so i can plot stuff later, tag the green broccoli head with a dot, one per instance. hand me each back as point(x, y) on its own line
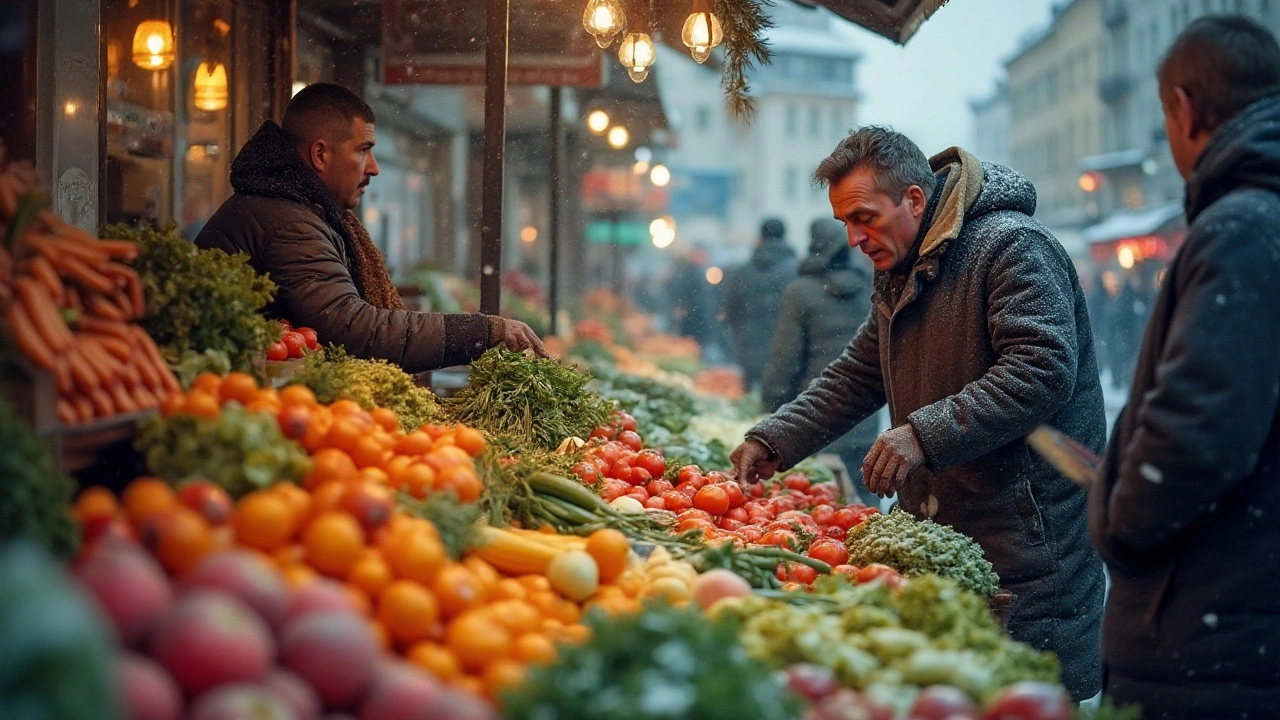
point(921, 547)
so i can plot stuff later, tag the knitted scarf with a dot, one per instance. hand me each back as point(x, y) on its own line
point(269, 166)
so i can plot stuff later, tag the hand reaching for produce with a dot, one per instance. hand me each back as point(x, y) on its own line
point(896, 453)
point(753, 461)
point(516, 336)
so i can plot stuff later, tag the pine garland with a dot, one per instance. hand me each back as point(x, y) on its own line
point(744, 23)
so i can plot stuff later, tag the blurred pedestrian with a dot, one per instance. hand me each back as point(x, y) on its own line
point(751, 298)
point(820, 313)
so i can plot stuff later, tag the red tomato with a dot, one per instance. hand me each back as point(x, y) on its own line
point(835, 532)
point(717, 476)
point(694, 512)
point(610, 452)
point(655, 503)
point(826, 491)
point(677, 501)
point(739, 514)
point(640, 477)
point(824, 515)
point(736, 497)
point(652, 461)
point(626, 422)
point(876, 570)
point(687, 473)
point(208, 499)
point(729, 524)
point(830, 552)
point(277, 351)
point(613, 489)
point(631, 440)
point(694, 523)
point(781, 538)
point(755, 490)
point(1031, 700)
point(617, 466)
point(602, 433)
point(849, 571)
point(294, 343)
point(310, 337)
point(796, 481)
point(288, 326)
point(699, 482)
point(796, 572)
point(758, 515)
point(639, 494)
point(657, 487)
point(713, 499)
point(846, 518)
point(780, 505)
point(750, 533)
point(688, 489)
point(587, 472)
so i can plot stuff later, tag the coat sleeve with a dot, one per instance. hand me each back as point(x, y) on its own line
point(847, 392)
point(787, 356)
point(1030, 295)
point(1200, 429)
point(315, 289)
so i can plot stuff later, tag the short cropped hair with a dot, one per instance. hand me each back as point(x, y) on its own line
point(897, 162)
point(1224, 63)
point(323, 111)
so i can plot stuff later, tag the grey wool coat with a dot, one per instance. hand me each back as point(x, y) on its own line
point(989, 339)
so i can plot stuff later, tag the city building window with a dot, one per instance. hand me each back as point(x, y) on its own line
point(837, 123)
point(789, 183)
point(815, 123)
point(793, 121)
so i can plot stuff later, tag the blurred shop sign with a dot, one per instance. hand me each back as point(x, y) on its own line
point(441, 42)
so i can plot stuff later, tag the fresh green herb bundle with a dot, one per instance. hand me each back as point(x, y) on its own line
point(534, 401)
point(200, 300)
point(333, 375)
point(919, 547)
point(35, 499)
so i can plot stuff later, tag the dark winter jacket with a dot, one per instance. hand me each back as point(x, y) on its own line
point(751, 303)
point(1187, 515)
point(990, 339)
point(287, 222)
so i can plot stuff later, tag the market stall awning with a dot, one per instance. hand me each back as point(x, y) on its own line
point(1134, 223)
point(897, 20)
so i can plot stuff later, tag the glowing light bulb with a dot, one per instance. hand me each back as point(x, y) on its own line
point(604, 19)
point(660, 175)
point(619, 137)
point(153, 45)
point(598, 121)
point(702, 30)
point(637, 54)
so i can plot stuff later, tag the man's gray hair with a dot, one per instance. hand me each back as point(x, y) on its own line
point(897, 162)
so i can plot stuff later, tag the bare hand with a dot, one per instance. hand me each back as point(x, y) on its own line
point(752, 462)
point(896, 453)
point(518, 336)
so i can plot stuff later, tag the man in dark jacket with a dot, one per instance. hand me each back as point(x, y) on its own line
point(752, 296)
point(295, 188)
point(821, 312)
point(979, 333)
point(1185, 512)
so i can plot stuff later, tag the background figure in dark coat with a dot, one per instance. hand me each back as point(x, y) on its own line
point(979, 333)
point(821, 311)
point(692, 314)
point(295, 187)
point(752, 297)
point(1186, 511)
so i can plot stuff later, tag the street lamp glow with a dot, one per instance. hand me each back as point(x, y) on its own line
point(664, 240)
point(528, 234)
point(661, 225)
point(1089, 182)
point(598, 121)
point(619, 137)
point(660, 175)
point(714, 275)
point(153, 45)
point(1126, 257)
point(640, 168)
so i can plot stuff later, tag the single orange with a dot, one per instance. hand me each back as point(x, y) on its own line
point(330, 464)
point(418, 479)
point(297, 395)
point(299, 500)
point(534, 647)
point(178, 536)
point(611, 551)
point(458, 589)
point(477, 639)
point(502, 675)
point(95, 502)
point(343, 434)
point(370, 573)
point(328, 497)
point(294, 420)
point(240, 387)
point(145, 497)
point(469, 487)
point(434, 430)
point(264, 519)
point(486, 573)
point(509, 589)
point(566, 611)
point(517, 616)
point(347, 407)
point(172, 403)
point(334, 542)
point(415, 556)
point(454, 453)
point(385, 419)
point(534, 583)
point(470, 440)
point(367, 452)
point(414, 443)
point(206, 382)
point(435, 659)
point(203, 405)
point(375, 475)
point(263, 407)
point(408, 611)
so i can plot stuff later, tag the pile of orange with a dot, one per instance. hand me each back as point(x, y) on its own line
point(346, 442)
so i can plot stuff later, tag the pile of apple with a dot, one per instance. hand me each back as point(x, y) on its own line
point(231, 641)
point(293, 343)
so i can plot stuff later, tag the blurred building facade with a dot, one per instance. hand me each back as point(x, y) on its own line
point(992, 121)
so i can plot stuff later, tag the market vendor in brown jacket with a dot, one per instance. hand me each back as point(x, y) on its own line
point(296, 185)
point(978, 333)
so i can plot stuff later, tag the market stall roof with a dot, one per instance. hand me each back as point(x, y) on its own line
point(897, 20)
point(1134, 223)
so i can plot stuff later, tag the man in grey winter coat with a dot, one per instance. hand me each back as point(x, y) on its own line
point(752, 295)
point(979, 333)
point(821, 312)
point(1186, 510)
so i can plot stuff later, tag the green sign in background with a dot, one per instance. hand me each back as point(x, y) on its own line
point(619, 233)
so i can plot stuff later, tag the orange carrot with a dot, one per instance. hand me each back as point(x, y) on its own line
point(131, 283)
point(62, 373)
point(99, 306)
point(29, 341)
point(81, 272)
point(42, 270)
point(103, 406)
point(161, 367)
point(83, 406)
point(82, 372)
point(108, 368)
point(120, 249)
point(145, 398)
point(121, 398)
point(66, 412)
point(115, 329)
point(44, 313)
point(119, 349)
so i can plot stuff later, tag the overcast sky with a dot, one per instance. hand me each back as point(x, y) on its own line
point(924, 89)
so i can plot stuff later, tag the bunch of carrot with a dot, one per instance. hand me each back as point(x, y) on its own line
point(69, 303)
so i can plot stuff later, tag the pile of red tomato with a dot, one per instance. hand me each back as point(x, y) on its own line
point(792, 513)
point(293, 343)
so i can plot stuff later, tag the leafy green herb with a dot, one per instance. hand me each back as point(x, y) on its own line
point(192, 363)
point(454, 520)
point(35, 499)
point(200, 300)
point(333, 375)
point(662, 663)
point(535, 401)
point(919, 547)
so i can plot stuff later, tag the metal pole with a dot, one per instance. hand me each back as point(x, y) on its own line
point(495, 129)
point(557, 176)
